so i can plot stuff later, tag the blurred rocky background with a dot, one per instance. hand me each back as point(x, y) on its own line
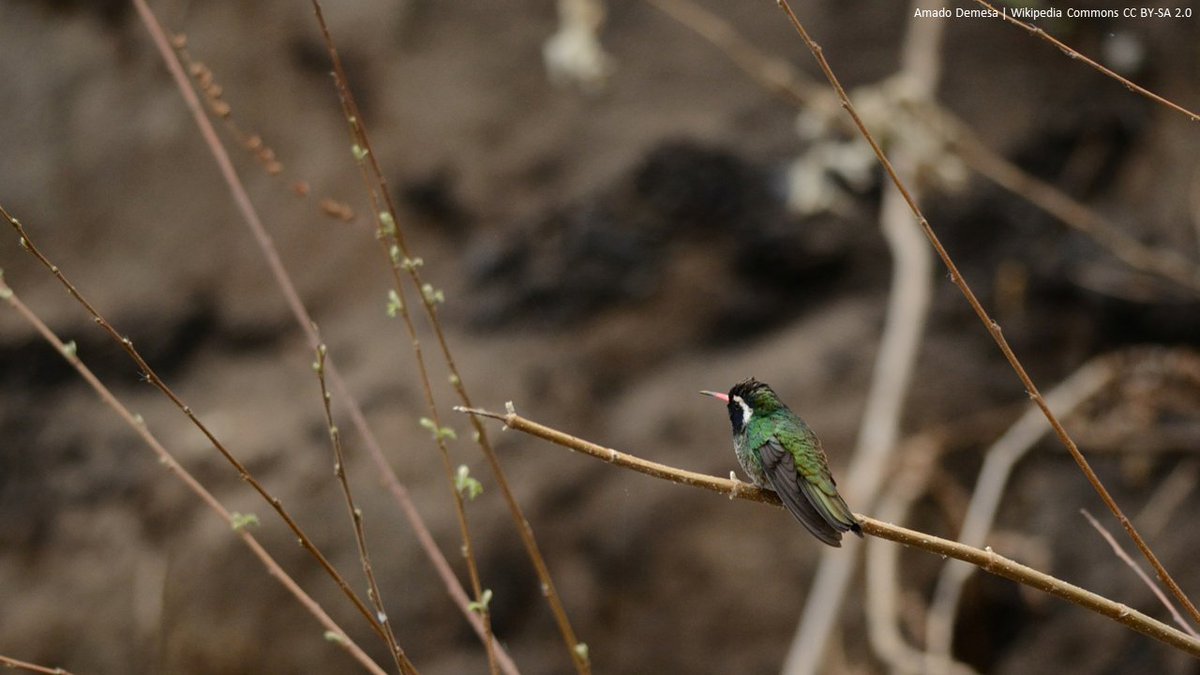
point(605, 252)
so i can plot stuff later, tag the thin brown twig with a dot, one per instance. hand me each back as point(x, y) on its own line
point(1076, 56)
point(784, 80)
point(1141, 574)
point(909, 296)
point(388, 234)
point(334, 632)
point(274, 263)
point(356, 515)
point(1162, 262)
point(151, 377)
point(986, 559)
point(393, 232)
point(400, 306)
point(991, 325)
point(9, 662)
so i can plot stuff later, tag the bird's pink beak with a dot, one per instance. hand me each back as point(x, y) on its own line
point(717, 394)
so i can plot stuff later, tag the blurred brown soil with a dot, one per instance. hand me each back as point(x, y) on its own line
point(603, 258)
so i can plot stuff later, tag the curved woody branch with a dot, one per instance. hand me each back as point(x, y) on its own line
point(985, 559)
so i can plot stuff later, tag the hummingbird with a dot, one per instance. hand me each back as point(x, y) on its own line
point(779, 452)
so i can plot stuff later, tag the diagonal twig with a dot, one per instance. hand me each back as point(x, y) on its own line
point(909, 296)
point(274, 263)
point(151, 377)
point(1076, 56)
point(401, 257)
point(784, 80)
point(333, 631)
point(356, 516)
point(1163, 262)
point(991, 325)
point(1141, 574)
point(391, 243)
point(9, 662)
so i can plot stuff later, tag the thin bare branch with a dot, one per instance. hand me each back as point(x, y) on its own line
point(985, 559)
point(991, 325)
point(9, 662)
point(333, 632)
point(252, 220)
point(909, 296)
point(151, 377)
point(1141, 574)
point(1076, 56)
point(1166, 263)
point(392, 245)
point(401, 255)
point(356, 516)
point(782, 79)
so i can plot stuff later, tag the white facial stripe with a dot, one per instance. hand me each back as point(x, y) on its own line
point(746, 412)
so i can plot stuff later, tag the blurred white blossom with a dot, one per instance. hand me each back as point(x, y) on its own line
point(574, 56)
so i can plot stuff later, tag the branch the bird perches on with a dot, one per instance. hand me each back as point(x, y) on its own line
point(985, 559)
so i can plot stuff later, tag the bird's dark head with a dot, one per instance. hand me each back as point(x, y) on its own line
point(746, 400)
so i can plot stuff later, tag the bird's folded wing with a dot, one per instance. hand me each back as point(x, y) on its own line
point(798, 496)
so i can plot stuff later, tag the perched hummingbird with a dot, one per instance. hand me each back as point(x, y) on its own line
point(779, 452)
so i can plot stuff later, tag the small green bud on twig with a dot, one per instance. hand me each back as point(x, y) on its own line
point(439, 433)
point(480, 606)
point(387, 224)
point(467, 486)
point(241, 521)
point(394, 304)
point(432, 295)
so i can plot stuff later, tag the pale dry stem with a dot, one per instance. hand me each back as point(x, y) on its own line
point(884, 590)
point(1141, 574)
point(998, 463)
